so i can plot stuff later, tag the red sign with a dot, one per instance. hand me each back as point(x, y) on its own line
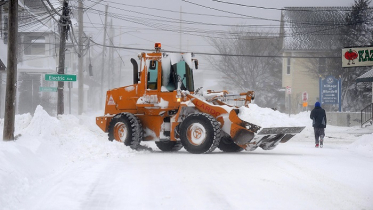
point(288, 90)
point(305, 96)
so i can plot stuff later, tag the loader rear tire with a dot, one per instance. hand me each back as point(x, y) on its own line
point(169, 146)
point(200, 133)
point(126, 127)
point(227, 145)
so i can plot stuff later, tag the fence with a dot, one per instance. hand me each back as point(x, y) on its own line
point(366, 114)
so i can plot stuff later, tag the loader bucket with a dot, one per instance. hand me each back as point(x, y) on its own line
point(250, 136)
point(246, 135)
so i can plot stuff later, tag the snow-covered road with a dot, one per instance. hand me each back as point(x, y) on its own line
point(69, 164)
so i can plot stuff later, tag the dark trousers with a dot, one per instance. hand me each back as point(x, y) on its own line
point(319, 133)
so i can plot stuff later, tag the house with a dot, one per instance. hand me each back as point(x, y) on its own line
point(310, 44)
point(38, 48)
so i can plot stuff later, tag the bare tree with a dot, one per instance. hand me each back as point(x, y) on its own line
point(249, 61)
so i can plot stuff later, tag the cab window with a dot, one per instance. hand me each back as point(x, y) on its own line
point(152, 75)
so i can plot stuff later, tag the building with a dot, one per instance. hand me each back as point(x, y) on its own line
point(38, 48)
point(311, 44)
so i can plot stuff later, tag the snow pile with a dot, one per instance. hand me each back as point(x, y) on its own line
point(21, 122)
point(266, 117)
point(68, 163)
point(47, 144)
point(364, 145)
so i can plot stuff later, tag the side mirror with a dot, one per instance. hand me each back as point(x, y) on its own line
point(196, 63)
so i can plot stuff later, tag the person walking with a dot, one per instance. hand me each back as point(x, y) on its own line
point(318, 117)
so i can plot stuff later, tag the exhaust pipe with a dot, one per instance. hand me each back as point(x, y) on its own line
point(135, 71)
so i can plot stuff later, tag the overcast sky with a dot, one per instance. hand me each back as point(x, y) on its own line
point(145, 22)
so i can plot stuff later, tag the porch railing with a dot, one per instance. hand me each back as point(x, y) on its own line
point(367, 114)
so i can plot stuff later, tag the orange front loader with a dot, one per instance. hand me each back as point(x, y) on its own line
point(163, 106)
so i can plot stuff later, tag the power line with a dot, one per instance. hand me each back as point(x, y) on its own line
point(253, 17)
point(218, 54)
point(164, 27)
point(284, 9)
point(190, 31)
point(172, 11)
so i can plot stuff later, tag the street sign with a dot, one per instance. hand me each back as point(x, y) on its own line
point(47, 89)
point(288, 90)
point(305, 96)
point(60, 77)
point(330, 91)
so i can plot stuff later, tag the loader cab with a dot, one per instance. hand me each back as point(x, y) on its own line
point(176, 73)
point(165, 72)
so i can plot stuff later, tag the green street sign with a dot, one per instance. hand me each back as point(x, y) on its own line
point(60, 77)
point(47, 89)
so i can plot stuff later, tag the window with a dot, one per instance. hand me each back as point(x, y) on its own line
point(152, 75)
point(34, 45)
point(322, 65)
point(288, 66)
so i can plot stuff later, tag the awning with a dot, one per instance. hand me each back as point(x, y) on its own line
point(367, 77)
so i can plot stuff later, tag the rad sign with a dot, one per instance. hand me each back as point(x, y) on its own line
point(357, 56)
point(330, 91)
point(305, 96)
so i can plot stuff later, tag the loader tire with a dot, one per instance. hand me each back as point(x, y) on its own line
point(169, 146)
point(227, 145)
point(126, 127)
point(200, 133)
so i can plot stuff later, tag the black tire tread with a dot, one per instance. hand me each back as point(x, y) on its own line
point(227, 145)
point(137, 132)
point(216, 131)
point(169, 146)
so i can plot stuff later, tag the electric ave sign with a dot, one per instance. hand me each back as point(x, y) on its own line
point(60, 77)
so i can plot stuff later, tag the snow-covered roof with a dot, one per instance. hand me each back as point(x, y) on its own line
point(313, 28)
point(367, 77)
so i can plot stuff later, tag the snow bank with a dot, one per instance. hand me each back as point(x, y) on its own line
point(266, 117)
point(364, 145)
point(68, 163)
point(47, 144)
point(21, 122)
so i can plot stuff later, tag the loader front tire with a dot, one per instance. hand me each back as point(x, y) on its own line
point(200, 133)
point(169, 146)
point(126, 127)
point(227, 145)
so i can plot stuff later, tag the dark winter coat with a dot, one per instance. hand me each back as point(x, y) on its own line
point(319, 117)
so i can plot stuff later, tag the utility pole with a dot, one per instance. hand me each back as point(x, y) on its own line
point(64, 24)
point(180, 26)
point(1, 79)
point(120, 62)
point(1, 20)
point(111, 54)
point(11, 80)
point(103, 58)
point(1, 92)
point(1, 74)
point(80, 60)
